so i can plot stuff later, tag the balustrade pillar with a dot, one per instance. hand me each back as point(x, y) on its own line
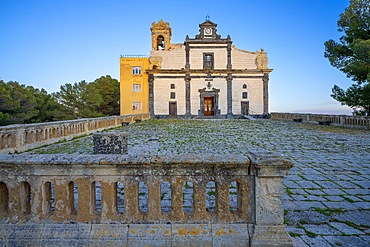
point(269, 170)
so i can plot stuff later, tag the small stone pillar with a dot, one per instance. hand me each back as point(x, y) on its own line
point(269, 169)
point(111, 142)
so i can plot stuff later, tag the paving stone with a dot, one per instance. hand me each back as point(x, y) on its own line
point(321, 229)
point(353, 198)
point(347, 184)
point(346, 229)
point(334, 198)
point(318, 241)
point(303, 205)
point(298, 242)
point(341, 205)
point(298, 197)
point(316, 192)
point(295, 230)
point(365, 198)
point(291, 184)
point(305, 184)
point(298, 191)
point(364, 184)
point(363, 205)
point(358, 191)
point(360, 217)
point(346, 241)
point(366, 238)
point(327, 185)
point(333, 192)
point(310, 217)
point(315, 198)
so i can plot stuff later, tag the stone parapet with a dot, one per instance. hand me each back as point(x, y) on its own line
point(21, 137)
point(54, 192)
point(336, 120)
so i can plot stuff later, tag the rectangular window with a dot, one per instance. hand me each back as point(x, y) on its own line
point(207, 60)
point(136, 106)
point(173, 95)
point(136, 70)
point(245, 95)
point(136, 88)
point(172, 86)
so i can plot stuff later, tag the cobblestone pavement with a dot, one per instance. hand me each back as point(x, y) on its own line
point(328, 191)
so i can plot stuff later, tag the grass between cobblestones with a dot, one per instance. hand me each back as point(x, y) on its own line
point(327, 200)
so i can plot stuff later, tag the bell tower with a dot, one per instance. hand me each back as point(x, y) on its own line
point(161, 36)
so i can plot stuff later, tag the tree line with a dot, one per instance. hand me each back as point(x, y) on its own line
point(20, 104)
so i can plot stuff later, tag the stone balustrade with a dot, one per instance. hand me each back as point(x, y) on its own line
point(20, 137)
point(336, 120)
point(53, 199)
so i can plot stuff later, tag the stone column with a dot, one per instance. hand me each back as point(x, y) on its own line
point(229, 79)
point(187, 95)
point(151, 95)
point(265, 80)
point(269, 170)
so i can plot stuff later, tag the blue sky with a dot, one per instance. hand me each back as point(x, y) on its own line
point(45, 43)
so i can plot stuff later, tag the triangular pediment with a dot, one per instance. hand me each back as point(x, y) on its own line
point(208, 23)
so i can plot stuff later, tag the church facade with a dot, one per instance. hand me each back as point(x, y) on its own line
point(206, 76)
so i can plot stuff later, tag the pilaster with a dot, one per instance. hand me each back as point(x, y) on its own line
point(229, 79)
point(265, 80)
point(151, 95)
point(187, 94)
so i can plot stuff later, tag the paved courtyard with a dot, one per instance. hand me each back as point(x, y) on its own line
point(327, 201)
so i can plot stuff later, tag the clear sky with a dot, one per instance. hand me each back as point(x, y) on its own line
point(47, 43)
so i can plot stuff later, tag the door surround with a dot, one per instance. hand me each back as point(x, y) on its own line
point(204, 94)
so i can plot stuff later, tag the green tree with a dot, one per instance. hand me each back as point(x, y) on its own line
point(80, 100)
point(17, 104)
point(351, 55)
point(109, 90)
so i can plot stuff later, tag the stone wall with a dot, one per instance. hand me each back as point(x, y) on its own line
point(336, 120)
point(20, 137)
point(47, 199)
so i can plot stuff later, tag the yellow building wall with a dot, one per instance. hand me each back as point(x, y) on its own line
point(127, 79)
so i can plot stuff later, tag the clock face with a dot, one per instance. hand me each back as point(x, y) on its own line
point(207, 31)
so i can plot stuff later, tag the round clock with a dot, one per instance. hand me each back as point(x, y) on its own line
point(207, 31)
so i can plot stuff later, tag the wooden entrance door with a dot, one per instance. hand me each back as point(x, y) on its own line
point(208, 106)
point(245, 108)
point(173, 108)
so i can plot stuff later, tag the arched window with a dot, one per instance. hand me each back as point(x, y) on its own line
point(160, 42)
point(244, 86)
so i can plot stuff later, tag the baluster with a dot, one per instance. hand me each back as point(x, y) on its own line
point(223, 200)
point(132, 213)
point(62, 211)
point(177, 213)
point(109, 201)
point(200, 209)
point(86, 200)
point(154, 199)
point(245, 207)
